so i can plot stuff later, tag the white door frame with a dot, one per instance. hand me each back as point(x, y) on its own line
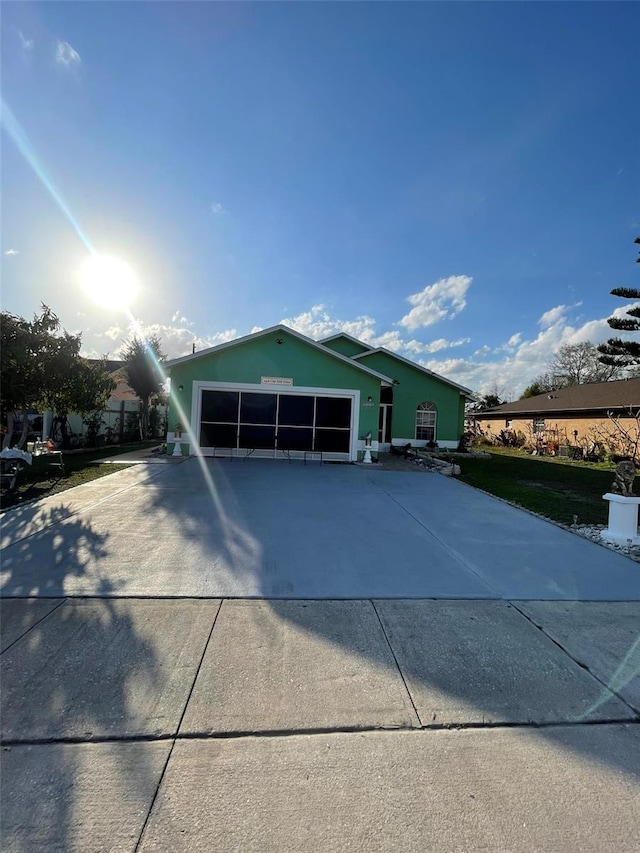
point(387, 412)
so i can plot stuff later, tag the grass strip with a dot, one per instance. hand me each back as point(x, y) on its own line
point(555, 488)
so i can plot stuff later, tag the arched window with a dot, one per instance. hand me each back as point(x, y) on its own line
point(426, 421)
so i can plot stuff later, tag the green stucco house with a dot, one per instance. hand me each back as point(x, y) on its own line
point(277, 393)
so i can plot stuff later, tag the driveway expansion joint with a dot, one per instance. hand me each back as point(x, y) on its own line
point(580, 663)
point(35, 624)
point(452, 551)
point(393, 655)
point(170, 753)
point(311, 732)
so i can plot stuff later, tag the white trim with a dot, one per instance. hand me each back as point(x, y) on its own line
point(344, 335)
point(461, 388)
point(279, 328)
point(415, 442)
point(199, 385)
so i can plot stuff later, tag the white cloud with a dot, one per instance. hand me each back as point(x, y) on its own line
point(512, 366)
point(217, 208)
point(176, 340)
point(528, 358)
point(484, 350)
point(553, 315)
point(390, 340)
point(439, 301)
point(11, 252)
point(27, 44)
point(510, 345)
point(66, 55)
point(317, 323)
point(442, 344)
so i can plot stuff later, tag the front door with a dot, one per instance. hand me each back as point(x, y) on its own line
point(384, 427)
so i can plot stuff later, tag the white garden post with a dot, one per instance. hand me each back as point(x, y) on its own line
point(367, 449)
point(177, 444)
point(623, 519)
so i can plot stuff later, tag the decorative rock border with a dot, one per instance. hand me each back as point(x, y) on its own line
point(594, 533)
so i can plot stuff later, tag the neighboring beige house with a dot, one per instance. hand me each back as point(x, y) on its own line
point(579, 416)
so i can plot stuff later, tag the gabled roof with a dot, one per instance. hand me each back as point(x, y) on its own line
point(344, 335)
point(605, 396)
point(466, 391)
point(279, 328)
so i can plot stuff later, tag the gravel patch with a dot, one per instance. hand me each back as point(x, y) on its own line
point(594, 533)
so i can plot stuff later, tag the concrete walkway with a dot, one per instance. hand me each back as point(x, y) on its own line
point(381, 718)
point(267, 529)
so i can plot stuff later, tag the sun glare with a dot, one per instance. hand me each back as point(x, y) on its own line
point(109, 281)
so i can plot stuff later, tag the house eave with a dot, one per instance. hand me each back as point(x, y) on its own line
point(466, 392)
point(385, 380)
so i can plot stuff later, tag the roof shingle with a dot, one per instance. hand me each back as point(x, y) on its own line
point(607, 396)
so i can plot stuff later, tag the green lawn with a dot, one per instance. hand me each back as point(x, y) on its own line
point(38, 481)
point(555, 488)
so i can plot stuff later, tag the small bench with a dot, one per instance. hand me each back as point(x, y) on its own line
point(228, 455)
point(233, 452)
point(9, 470)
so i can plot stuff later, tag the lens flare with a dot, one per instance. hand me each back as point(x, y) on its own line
point(108, 281)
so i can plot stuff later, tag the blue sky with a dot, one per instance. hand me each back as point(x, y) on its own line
point(456, 181)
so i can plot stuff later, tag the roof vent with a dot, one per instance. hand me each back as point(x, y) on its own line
point(549, 396)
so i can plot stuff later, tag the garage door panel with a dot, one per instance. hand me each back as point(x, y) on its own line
point(290, 438)
point(258, 437)
point(220, 406)
point(296, 410)
point(333, 440)
point(333, 412)
point(258, 408)
point(218, 435)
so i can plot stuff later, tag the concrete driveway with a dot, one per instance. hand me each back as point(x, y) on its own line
point(272, 530)
point(268, 529)
point(165, 711)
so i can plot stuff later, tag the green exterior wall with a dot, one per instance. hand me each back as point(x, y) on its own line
point(416, 387)
point(346, 347)
point(262, 356)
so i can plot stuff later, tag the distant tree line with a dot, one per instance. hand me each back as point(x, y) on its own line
point(573, 364)
point(41, 369)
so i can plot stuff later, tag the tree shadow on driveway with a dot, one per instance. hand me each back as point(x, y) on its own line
point(93, 691)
